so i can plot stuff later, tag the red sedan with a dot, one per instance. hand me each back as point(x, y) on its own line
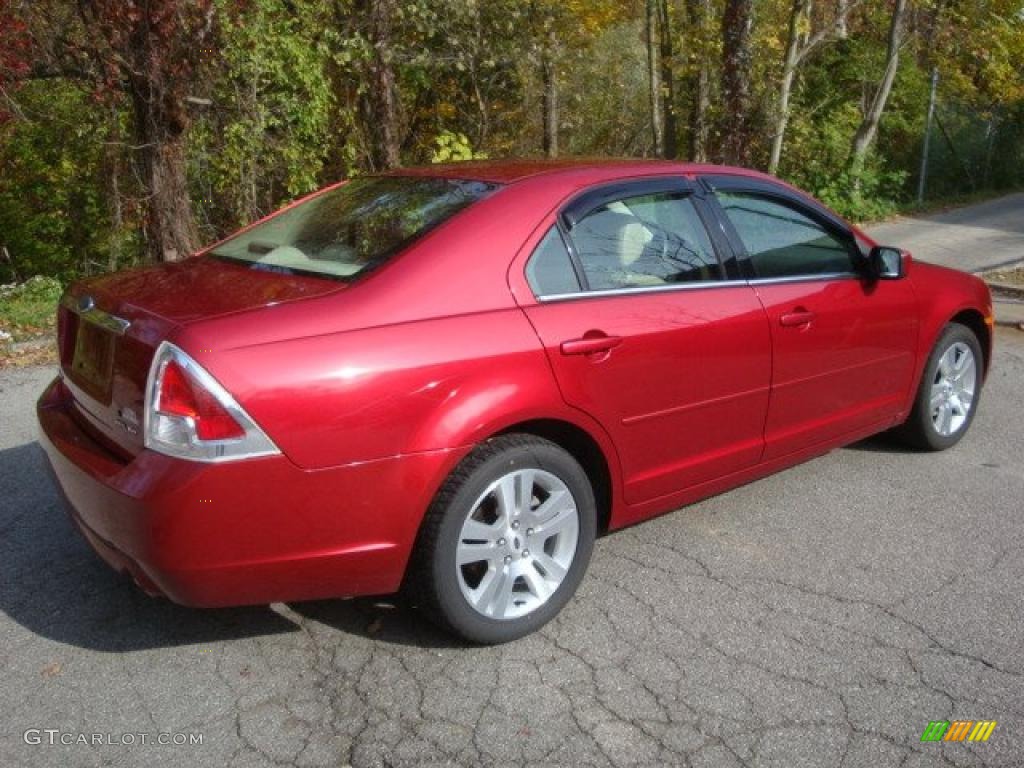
point(448, 380)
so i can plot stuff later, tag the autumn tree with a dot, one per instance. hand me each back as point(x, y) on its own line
point(265, 138)
point(661, 76)
point(666, 55)
point(737, 24)
point(147, 52)
point(380, 96)
point(801, 42)
point(868, 127)
point(698, 13)
point(15, 56)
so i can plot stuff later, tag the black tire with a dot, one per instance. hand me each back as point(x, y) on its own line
point(919, 430)
point(432, 580)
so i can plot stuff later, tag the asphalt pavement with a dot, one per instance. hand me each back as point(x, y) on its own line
point(972, 238)
point(819, 617)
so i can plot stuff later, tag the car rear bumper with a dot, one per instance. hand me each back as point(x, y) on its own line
point(255, 531)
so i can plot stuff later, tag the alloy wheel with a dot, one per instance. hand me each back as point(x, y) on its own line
point(953, 389)
point(517, 544)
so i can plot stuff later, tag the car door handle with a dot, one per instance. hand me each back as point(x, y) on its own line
point(590, 345)
point(796, 317)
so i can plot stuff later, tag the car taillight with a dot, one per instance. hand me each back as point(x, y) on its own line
point(179, 395)
point(191, 416)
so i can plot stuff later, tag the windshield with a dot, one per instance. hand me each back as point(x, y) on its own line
point(353, 228)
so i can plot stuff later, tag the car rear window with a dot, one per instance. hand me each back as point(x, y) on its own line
point(353, 228)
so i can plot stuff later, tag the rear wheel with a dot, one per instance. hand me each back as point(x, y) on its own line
point(506, 541)
point(947, 397)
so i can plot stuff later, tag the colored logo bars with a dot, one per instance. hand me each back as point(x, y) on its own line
point(958, 730)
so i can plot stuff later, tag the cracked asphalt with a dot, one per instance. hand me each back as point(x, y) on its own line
point(819, 617)
point(822, 616)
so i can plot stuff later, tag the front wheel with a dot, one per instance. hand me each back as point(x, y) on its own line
point(947, 397)
point(507, 540)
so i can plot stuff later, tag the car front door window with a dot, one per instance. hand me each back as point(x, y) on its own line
point(783, 242)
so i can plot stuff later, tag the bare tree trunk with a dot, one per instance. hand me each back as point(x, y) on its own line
point(383, 96)
point(111, 169)
point(667, 81)
point(842, 9)
point(990, 143)
point(549, 78)
point(737, 22)
point(480, 43)
point(922, 176)
point(484, 128)
point(170, 225)
point(5, 256)
point(865, 135)
point(654, 76)
point(171, 232)
point(793, 39)
point(699, 128)
point(700, 85)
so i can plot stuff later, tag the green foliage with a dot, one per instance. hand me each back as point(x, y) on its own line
point(870, 195)
point(28, 309)
point(52, 216)
point(603, 120)
point(265, 140)
point(454, 147)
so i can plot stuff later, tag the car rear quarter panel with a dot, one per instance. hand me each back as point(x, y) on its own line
point(398, 389)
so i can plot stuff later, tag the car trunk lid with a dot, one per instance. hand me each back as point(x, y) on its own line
point(109, 328)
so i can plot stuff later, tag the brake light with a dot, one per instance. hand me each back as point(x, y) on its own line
point(180, 396)
point(191, 416)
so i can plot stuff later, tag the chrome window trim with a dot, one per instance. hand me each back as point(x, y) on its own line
point(642, 289)
point(645, 289)
point(91, 314)
point(803, 278)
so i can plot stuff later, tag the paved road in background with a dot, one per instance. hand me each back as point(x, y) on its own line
point(819, 617)
point(974, 238)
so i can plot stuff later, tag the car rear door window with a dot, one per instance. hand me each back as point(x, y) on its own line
point(781, 240)
point(550, 271)
point(644, 241)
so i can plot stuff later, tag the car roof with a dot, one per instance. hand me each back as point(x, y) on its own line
point(509, 171)
point(568, 174)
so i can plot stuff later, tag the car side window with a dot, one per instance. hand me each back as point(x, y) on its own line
point(645, 240)
point(782, 241)
point(550, 271)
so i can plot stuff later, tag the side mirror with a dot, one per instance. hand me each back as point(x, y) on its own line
point(887, 263)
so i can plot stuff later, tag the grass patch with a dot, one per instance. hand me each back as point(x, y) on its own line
point(28, 313)
point(28, 310)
